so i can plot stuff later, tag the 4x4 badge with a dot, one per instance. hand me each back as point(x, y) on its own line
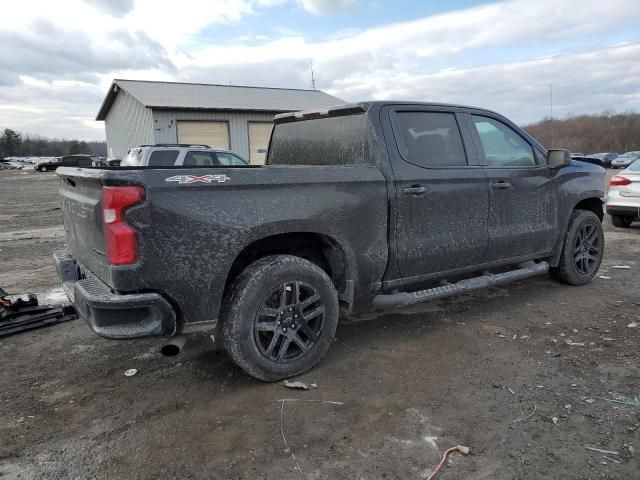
point(197, 179)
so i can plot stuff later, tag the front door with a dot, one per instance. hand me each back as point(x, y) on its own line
point(522, 201)
point(442, 197)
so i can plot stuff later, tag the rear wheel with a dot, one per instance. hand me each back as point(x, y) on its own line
point(582, 249)
point(280, 317)
point(621, 221)
point(43, 169)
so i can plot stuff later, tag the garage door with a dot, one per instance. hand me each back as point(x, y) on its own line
point(259, 135)
point(214, 134)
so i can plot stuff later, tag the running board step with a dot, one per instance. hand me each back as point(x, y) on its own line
point(525, 270)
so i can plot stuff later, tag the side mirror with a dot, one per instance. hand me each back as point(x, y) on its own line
point(557, 158)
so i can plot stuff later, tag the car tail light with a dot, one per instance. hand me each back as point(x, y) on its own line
point(619, 180)
point(120, 238)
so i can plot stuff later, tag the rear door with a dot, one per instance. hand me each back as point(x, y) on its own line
point(441, 193)
point(523, 211)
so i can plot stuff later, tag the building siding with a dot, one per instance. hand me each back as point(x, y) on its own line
point(165, 130)
point(128, 124)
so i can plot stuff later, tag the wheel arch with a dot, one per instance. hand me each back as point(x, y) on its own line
point(321, 249)
point(587, 202)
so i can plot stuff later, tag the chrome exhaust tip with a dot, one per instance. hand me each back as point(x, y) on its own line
point(174, 347)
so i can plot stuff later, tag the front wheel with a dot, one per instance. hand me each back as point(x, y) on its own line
point(43, 169)
point(280, 318)
point(621, 221)
point(582, 249)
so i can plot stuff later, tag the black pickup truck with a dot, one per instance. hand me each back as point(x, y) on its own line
point(378, 204)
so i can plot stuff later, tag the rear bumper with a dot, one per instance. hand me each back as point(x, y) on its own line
point(623, 210)
point(114, 315)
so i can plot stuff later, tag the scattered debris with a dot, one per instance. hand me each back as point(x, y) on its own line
point(131, 372)
point(574, 344)
point(431, 441)
point(629, 402)
point(599, 450)
point(503, 387)
point(621, 267)
point(457, 448)
point(284, 438)
point(604, 277)
point(633, 325)
point(612, 459)
point(299, 385)
point(554, 420)
point(19, 313)
point(535, 408)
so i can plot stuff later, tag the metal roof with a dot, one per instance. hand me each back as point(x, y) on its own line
point(200, 96)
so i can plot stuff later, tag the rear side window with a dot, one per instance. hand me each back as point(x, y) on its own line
point(430, 139)
point(133, 158)
point(320, 141)
point(502, 146)
point(200, 159)
point(226, 158)
point(163, 158)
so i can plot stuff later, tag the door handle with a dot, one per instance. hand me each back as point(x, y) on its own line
point(415, 190)
point(501, 185)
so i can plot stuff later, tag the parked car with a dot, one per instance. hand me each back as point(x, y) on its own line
point(379, 204)
point(577, 154)
point(623, 197)
point(605, 158)
point(77, 160)
point(10, 165)
point(167, 155)
point(626, 159)
point(48, 165)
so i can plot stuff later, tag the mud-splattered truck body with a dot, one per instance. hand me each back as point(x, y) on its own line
point(380, 203)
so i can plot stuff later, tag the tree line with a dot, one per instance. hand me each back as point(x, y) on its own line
point(606, 132)
point(14, 144)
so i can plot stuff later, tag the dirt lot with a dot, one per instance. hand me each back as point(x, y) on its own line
point(524, 375)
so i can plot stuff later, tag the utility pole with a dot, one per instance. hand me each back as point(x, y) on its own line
point(551, 113)
point(313, 79)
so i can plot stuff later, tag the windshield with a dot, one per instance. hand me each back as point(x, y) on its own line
point(631, 154)
point(133, 158)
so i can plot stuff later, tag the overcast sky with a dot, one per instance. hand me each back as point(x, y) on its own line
point(59, 57)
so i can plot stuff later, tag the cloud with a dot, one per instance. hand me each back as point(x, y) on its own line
point(58, 62)
point(582, 82)
point(116, 8)
point(323, 7)
point(47, 51)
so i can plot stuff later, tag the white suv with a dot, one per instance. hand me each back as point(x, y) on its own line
point(179, 155)
point(623, 197)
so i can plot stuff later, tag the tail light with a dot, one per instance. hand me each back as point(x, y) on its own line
point(120, 238)
point(618, 181)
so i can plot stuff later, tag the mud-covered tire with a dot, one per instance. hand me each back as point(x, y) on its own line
point(576, 254)
point(621, 221)
point(261, 288)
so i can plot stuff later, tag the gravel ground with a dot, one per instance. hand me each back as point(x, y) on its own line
point(525, 375)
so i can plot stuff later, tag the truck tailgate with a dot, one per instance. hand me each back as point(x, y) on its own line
point(81, 196)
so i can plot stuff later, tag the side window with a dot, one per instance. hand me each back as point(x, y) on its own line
point(163, 158)
point(502, 146)
point(230, 159)
point(430, 139)
point(200, 159)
